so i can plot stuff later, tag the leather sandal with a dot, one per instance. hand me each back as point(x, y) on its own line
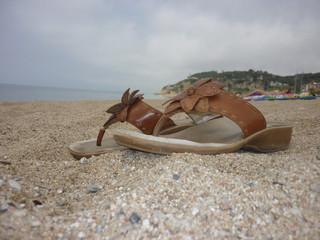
point(223, 123)
point(133, 110)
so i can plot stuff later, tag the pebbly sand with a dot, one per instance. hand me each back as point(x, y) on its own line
point(45, 192)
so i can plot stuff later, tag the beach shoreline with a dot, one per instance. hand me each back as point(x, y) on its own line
point(45, 192)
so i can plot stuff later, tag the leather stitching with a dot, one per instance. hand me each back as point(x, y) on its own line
point(191, 97)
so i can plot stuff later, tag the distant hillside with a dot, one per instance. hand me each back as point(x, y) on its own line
point(246, 81)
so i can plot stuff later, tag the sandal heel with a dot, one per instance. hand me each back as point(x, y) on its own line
point(270, 140)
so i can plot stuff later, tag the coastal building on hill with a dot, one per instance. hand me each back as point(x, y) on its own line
point(311, 85)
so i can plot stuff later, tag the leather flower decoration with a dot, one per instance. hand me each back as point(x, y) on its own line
point(195, 97)
point(120, 110)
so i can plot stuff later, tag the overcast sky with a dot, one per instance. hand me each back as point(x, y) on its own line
point(115, 44)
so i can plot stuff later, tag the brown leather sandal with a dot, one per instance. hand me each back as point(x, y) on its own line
point(234, 124)
point(133, 110)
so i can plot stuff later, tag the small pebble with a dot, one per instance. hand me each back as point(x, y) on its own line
point(296, 211)
point(176, 176)
point(145, 223)
point(4, 207)
point(277, 183)
point(75, 225)
point(122, 215)
point(195, 170)
point(37, 194)
point(15, 204)
point(93, 188)
point(99, 229)
point(315, 188)
point(175, 230)
point(61, 202)
point(35, 224)
point(14, 185)
point(16, 177)
point(134, 218)
point(195, 211)
point(20, 213)
point(37, 202)
point(59, 191)
point(250, 184)
point(83, 160)
point(81, 235)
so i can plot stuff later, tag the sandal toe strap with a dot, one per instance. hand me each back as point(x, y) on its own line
point(138, 113)
point(206, 96)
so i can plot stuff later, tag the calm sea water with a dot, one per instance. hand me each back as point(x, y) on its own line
point(12, 93)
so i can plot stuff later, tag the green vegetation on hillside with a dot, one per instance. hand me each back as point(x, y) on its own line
point(246, 81)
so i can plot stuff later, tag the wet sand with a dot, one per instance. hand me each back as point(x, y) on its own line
point(47, 194)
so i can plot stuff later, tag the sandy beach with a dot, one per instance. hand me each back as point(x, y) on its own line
point(45, 193)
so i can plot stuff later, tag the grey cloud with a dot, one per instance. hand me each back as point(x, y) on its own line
point(147, 44)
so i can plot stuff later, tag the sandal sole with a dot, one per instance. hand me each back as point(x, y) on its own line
point(275, 137)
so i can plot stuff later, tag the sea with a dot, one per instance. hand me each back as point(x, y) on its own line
point(13, 93)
